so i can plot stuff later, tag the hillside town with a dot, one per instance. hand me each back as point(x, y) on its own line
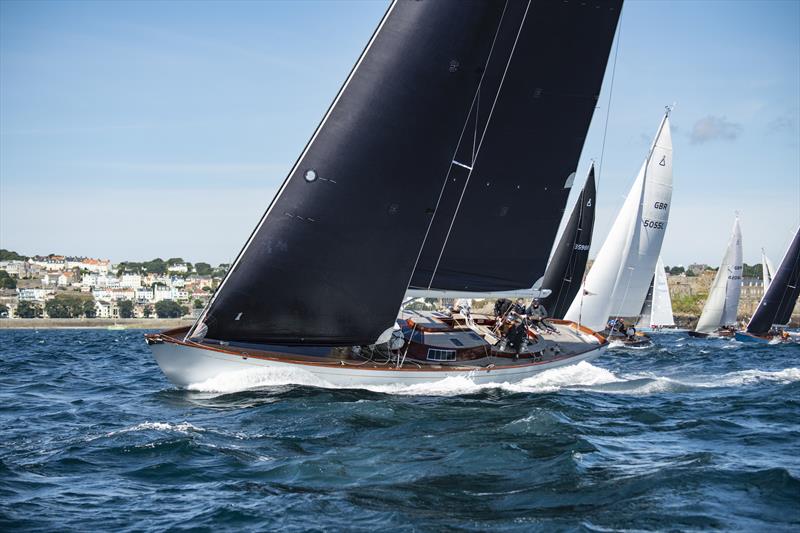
point(58, 286)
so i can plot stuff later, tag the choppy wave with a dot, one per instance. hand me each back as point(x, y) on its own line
point(685, 435)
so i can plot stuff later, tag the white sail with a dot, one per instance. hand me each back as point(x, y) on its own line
point(767, 269)
point(661, 309)
point(620, 276)
point(722, 304)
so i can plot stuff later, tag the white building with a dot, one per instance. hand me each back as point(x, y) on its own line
point(15, 268)
point(130, 281)
point(123, 294)
point(144, 294)
point(180, 268)
point(33, 295)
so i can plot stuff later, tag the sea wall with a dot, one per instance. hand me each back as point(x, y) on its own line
point(128, 323)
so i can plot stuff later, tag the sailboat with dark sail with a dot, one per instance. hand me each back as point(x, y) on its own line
point(564, 273)
point(778, 302)
point(458, 130)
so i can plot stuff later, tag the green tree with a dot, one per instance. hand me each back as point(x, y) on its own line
point(169, 309)
point(677, 270)
point(147, 311)
point(29, 310)
point(89, 309)
point(752, 271)
point(68, 305)
point(3, 311)
point(6, 281)
point(125, 309)
point(198, 304)
point(8, 255)
point(203, 269)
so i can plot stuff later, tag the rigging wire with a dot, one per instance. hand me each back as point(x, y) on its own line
point(483, 136)
point(603, 147)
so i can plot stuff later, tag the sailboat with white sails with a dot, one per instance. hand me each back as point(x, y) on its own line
point(618, 282)
point(767, 269)
point(719, 316)
point(456, 119)
point(657, 310)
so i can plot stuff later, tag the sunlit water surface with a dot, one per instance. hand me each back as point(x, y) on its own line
point(687, 435)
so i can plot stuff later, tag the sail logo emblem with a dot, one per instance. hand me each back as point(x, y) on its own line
point(663, 161)
point(589, 203)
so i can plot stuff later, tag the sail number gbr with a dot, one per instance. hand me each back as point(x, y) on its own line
point(655, 224)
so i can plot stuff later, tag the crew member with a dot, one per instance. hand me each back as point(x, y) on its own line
point(537, 314)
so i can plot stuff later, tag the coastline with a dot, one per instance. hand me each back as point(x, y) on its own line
point(93, 323)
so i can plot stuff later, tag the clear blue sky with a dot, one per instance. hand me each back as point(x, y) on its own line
point(132, 130)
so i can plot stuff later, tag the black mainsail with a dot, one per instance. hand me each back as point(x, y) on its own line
point(564, 274)
point(331, 258)
point(512, 175)
point(778, 302)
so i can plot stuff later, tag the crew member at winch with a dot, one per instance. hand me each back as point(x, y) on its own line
point(537, 315)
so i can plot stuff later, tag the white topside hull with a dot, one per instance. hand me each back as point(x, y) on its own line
point(188, 365)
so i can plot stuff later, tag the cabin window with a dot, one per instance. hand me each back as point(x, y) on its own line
point(457, 342)
point(435, 354)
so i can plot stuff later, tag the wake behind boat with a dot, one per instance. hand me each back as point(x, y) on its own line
point(452, 109)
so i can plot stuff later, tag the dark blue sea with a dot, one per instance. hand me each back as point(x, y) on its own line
point(687, 435)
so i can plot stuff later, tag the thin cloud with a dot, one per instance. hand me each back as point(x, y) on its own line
point(713, 128)
point(784, 124)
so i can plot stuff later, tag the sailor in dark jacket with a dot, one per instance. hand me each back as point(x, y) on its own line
point(537, 314)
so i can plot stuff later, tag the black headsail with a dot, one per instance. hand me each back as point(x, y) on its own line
point(778, 302)
point(330, 260)
point(507, 190)
point(564, 274)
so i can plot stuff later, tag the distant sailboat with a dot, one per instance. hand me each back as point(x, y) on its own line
point(458, 129)
point(657, 309)
point(778, 302)
point(767, 270)
point(720, 310)
point(564, 273)
point(620, 277)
